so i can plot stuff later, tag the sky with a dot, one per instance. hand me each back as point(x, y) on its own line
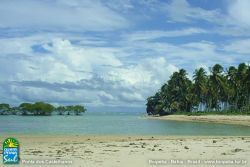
point(113, 53)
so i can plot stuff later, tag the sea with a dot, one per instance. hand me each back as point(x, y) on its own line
point(113, 123)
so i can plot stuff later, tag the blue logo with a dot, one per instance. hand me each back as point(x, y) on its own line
point(10, 151)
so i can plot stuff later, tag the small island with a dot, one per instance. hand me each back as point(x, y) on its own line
point(217, 92)
point(40, 109)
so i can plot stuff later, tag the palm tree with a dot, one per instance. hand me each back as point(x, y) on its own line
point(200, 83)
point(241, 78)
point(218, 91)
point(218, 86)
point(247, 84)
point(233, 87)
point(179, 89)
point(154, 105)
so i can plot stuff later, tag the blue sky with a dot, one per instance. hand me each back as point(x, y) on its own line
point(113, 53)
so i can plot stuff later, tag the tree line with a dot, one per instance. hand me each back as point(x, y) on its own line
point(219, 90)
point(40, 108)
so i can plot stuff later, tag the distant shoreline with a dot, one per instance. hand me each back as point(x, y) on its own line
point(223, 119)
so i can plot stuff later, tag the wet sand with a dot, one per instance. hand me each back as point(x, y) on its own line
point(224, 119)
point(132, 151)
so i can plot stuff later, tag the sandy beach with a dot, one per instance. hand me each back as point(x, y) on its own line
point(132, 151)
point(224, 119)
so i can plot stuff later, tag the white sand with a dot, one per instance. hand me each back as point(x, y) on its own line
point(224, 119)
point(134, 151)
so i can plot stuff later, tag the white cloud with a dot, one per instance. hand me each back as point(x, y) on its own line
point(132, 97)
point(150, 72)
point(68, 72)
point(120, 5)
point(106, 96)
point(73, 15)
point(31, 94)
point(236, 21)
point(21, 46)
point(239, 12)
point(238, 46)
point(232, 22)
point(67, 64)
point(188, 55)
point(82, 58)
point(72, 73)
point(151, 35)
point(182, 11)
point(72, 62)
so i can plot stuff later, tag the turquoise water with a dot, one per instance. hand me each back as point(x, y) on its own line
point(112, 123)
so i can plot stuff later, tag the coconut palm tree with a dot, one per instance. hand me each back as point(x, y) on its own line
point(247, 87)
point(154, 104)
point(200, 83)
point(242, 75)
point(219, 91)
point(179, 88)
point(218, 86)
point(233, 87)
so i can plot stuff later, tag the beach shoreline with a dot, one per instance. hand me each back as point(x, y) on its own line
point(130, 150)
point(243, 120)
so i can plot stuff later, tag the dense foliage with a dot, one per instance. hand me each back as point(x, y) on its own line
point(40, 108)
point(77, 109)
point(223, 90)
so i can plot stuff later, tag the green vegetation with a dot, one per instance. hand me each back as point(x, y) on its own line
point(40, 108)
point(77, 110)
point(220, 92)
point(4, 108)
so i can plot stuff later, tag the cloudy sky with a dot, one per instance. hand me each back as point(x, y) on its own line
point(113, 52)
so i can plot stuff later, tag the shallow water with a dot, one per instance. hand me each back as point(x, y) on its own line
point(113, 123)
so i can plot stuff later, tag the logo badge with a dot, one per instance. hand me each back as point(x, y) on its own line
point(10, 151)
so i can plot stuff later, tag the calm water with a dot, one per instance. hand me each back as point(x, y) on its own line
point(112, 123)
